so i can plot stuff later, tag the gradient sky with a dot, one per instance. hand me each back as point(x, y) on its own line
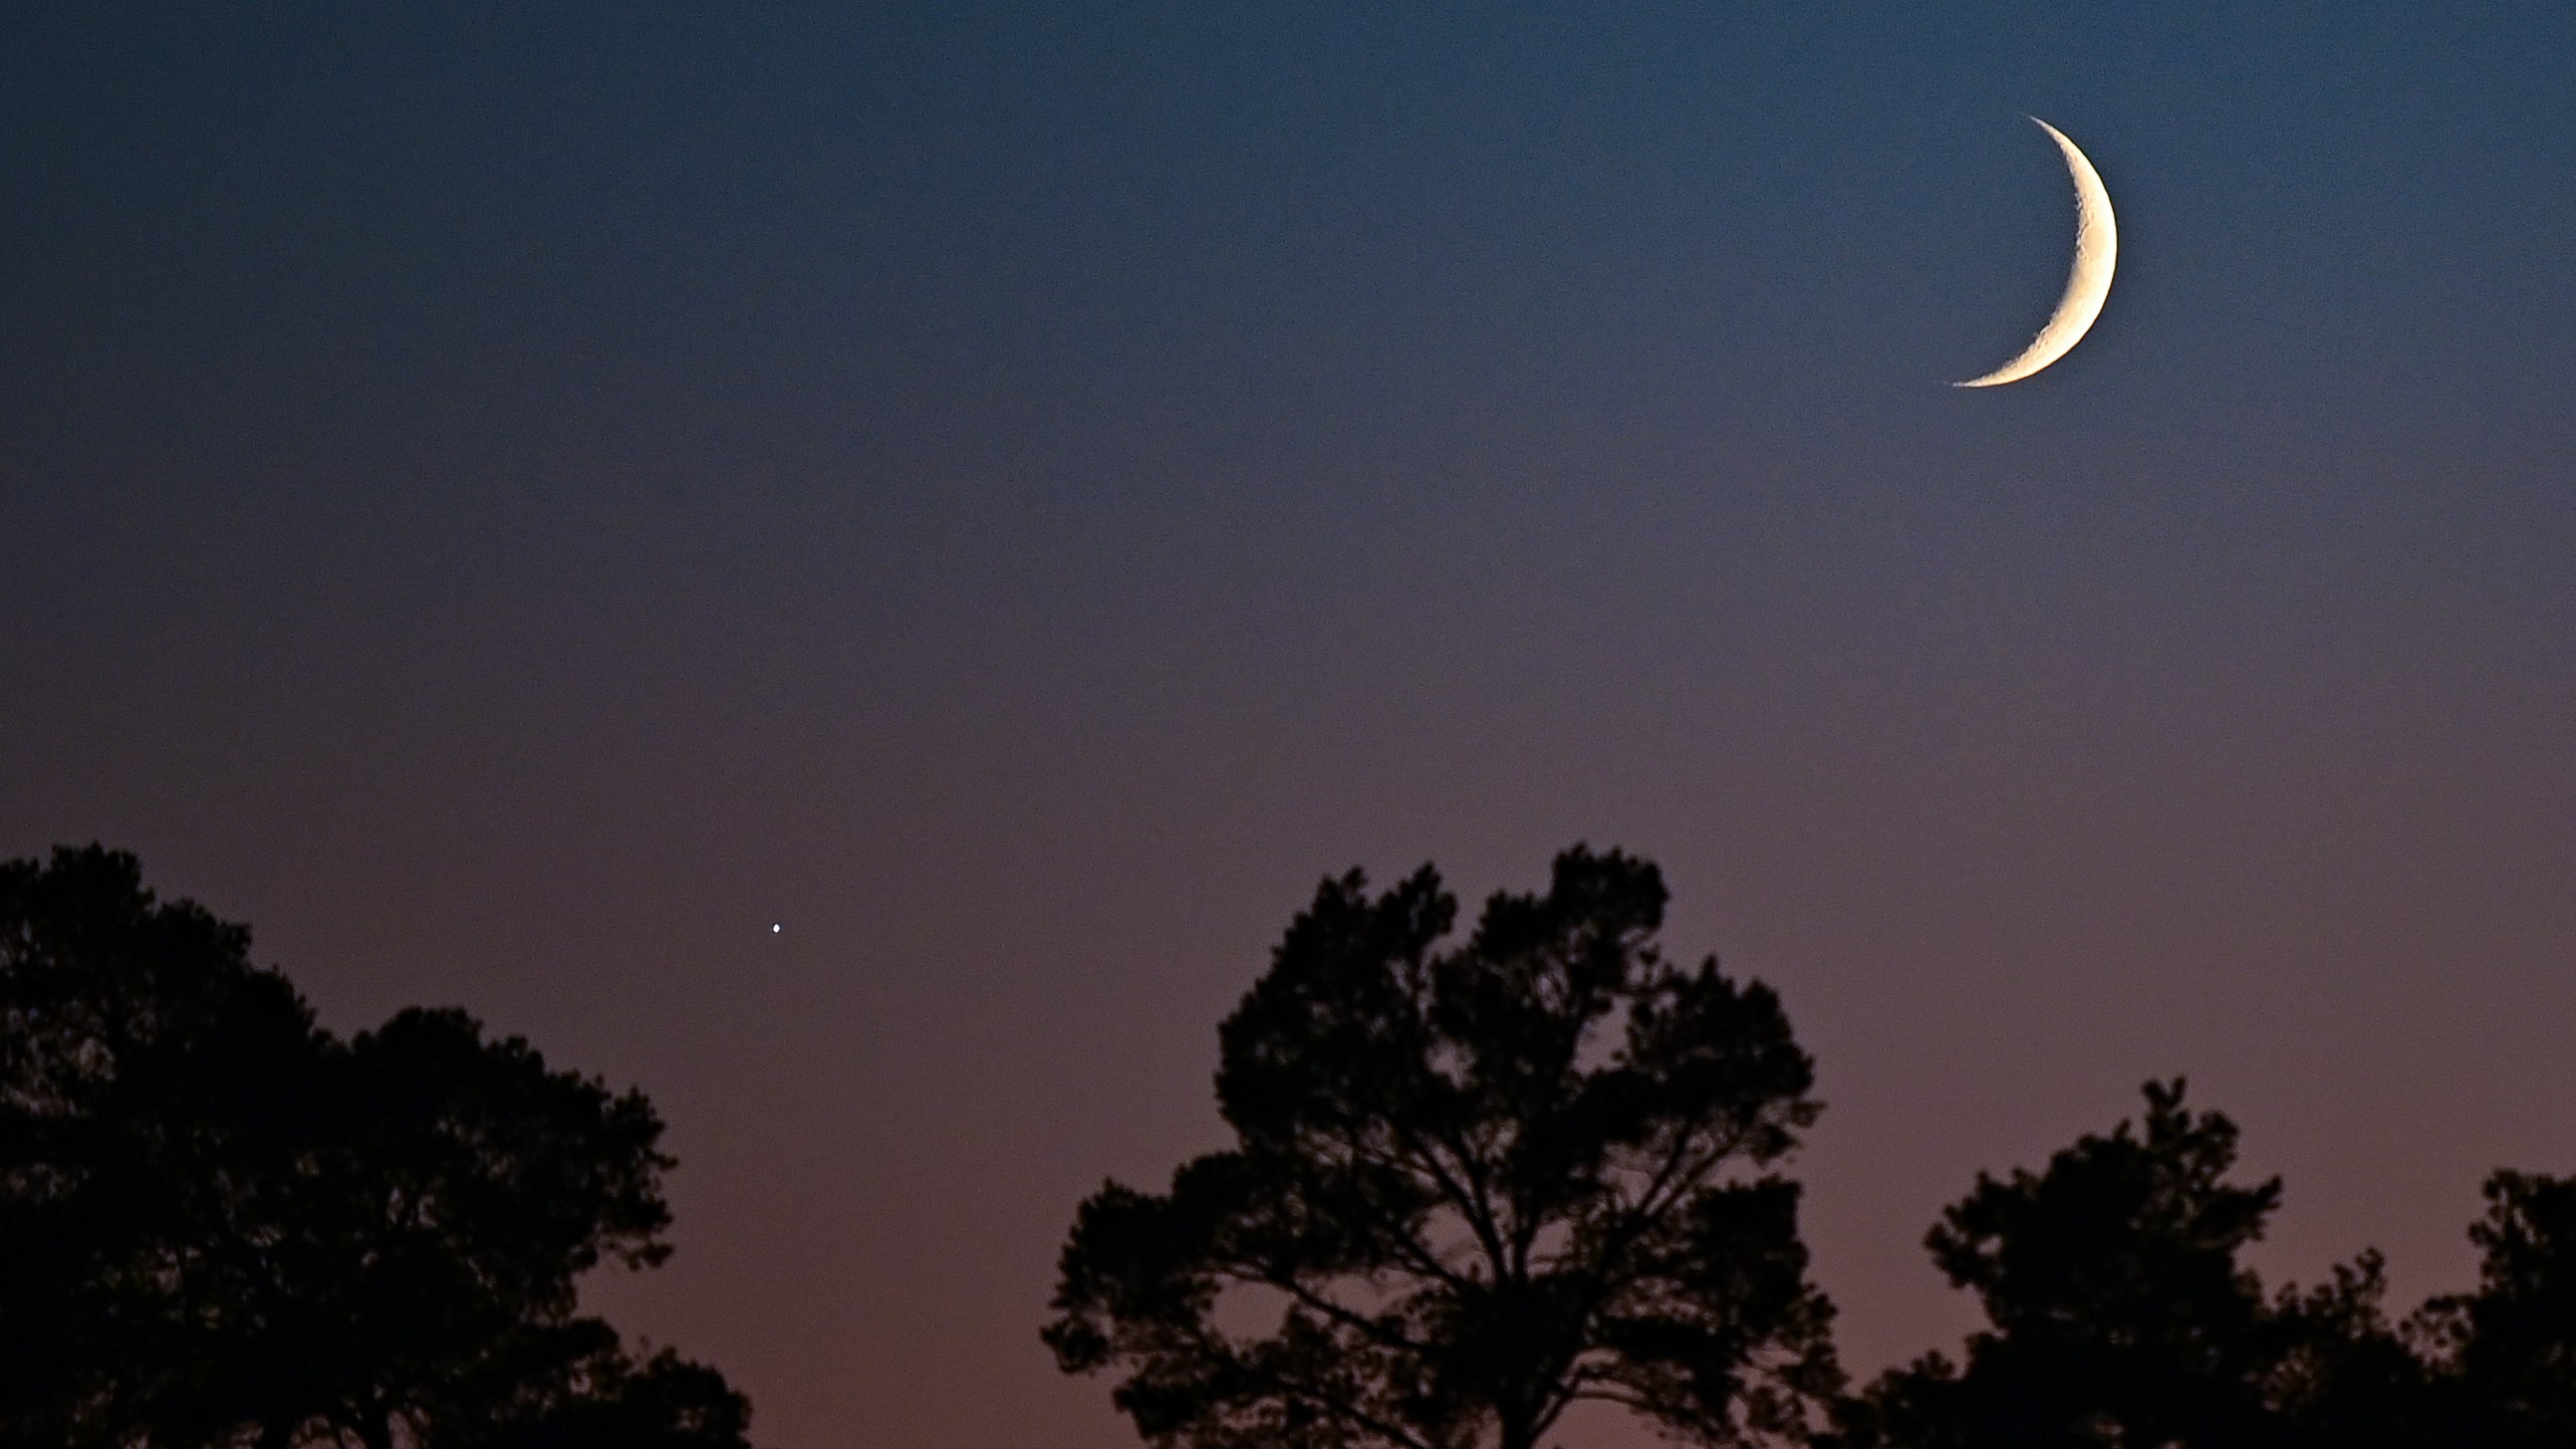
point(514, 500)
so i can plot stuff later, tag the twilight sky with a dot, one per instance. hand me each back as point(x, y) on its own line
point(514, 500)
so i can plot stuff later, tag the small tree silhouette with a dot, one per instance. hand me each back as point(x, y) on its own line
point(2120, 1313)
point(1473, 1186)
point(2509, 1349)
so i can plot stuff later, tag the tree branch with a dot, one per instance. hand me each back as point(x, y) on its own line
point(1424, 1260)
point(1469, 1206)
point(1216, 1347)
point(1286, 1282)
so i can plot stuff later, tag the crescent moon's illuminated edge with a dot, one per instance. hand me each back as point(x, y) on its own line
point(2097, 249)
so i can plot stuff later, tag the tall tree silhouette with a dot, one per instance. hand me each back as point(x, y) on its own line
point(222, 1225)
point(1473, 1186)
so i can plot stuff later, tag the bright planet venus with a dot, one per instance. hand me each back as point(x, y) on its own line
point(2088, 283)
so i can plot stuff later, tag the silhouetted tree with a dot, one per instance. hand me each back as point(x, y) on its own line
point(220, 1225)
point(2119, 1312)
point(150, 1084)
point(453, 1191)
point(2120, 1315)
point(2509, 1349)
point(2344, 1376)
point(1472, 1187)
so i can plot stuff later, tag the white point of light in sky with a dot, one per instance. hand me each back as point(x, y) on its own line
point(773, 928)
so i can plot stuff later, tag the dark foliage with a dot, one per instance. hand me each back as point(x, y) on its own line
point(2120, 1315)
point(2509, 1349)
point(1473, 1185)
point(222, 1225)
point(607, 1400)
point(2342, 1376)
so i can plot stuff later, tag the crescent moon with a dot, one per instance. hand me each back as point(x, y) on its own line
point(2097, 248)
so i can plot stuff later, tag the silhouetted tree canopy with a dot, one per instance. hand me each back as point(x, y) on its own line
point(1474, 1184)
point(2508, 1350)
point(2343, 1376)
point(222, 1225)
point(2119, 1311)
point(2120, 1314)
